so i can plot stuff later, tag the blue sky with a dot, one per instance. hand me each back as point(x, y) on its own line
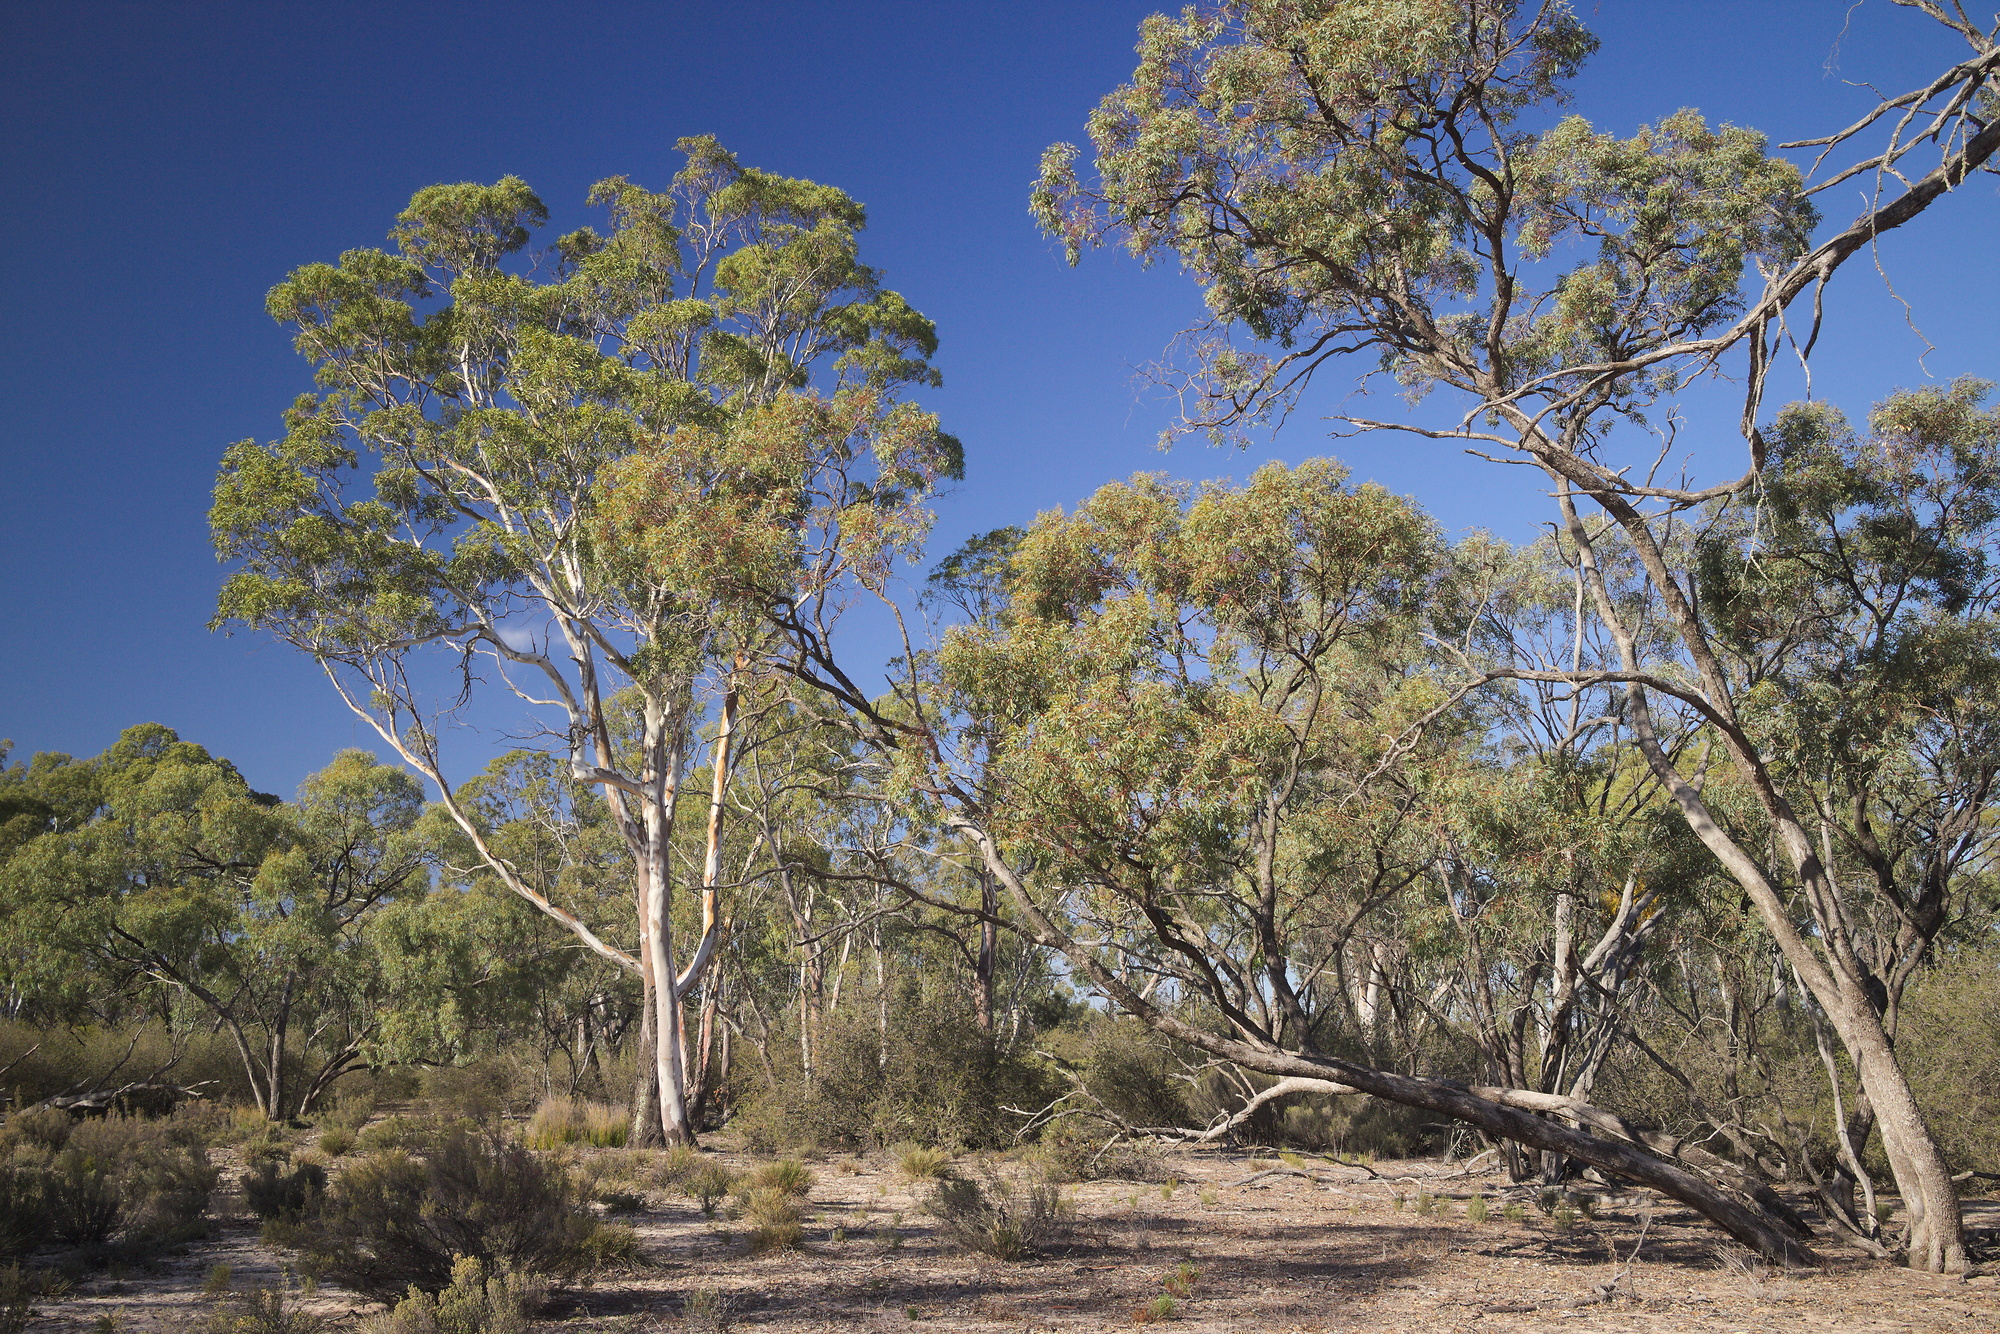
point(163, 165)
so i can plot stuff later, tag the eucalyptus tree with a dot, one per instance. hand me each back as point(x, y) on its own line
point(184, 887)
point(495, 442)
point(1349, 176)
point(1195, 789)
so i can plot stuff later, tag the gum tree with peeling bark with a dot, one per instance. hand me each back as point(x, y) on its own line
point(462, 498)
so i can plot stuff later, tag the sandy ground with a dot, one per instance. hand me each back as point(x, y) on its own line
point(1346, 1250)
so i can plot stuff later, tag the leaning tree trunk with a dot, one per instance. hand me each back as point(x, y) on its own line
point(1930, 1201)
point(1764, 1231)
point(1836, 981)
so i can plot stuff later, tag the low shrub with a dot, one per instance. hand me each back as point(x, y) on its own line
point(476, 1301)
point(560, 1121)
point(707, 1311)
point(80, 1199)
point(776, 1217)
point(42, 1127)
point(939, 1081)
point(399, 1219)
point(265, 1311)
point(161, 1171)
point(1001, 1220)
point(482, 1092)
point(351, 1110)
point(275, 1194)
point(788, 1176)
point(612, 1246)
point(23, 1215)
point(335, 1141)
point(395, 1132)
point(676, 1165)
point(707, 1184)
point(17, 1292)
point(1075, 1149)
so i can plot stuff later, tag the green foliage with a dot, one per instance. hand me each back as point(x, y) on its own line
point(1082, 1149)
point(17, 1293)
point(788, 1177)
point(181, 891)
point(148, 1182)
point(476, 1301)
point(706, 1311)
point(560, 1121)
point(80, 1199)
point(776, 1217)
point(265, 1311)
point(922, 1164)
point(275, 1194)
point(707, 1183)
point(673, 1167)
point(1950, 1041)
point(44, 1127)
point(943, 1083)
point(395, 1218)
point(163, 1175)
point(23, 1213)
point(1001, 1219)
point(395, 1132)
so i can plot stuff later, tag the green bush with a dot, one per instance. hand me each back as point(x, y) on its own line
point(921, 1164)
point(47, 1061)
point(395, 1132)
point(17, 1293)
point(1077, 1148)
point(80, 1199)
point(676, 1165)
point(1950, 1044)
point(398, 1219)
point(275, 1194)
point(788, 1177)
point(112, 1174)
point(944, 1082)
point(560, 1121)
point(706, 1184)
point(1133, 1071)
point(776, 1217)
point(482, 1092)
point(477, 1301)
point(1002, 1220)
point(40, 1127)
point(264, 1311)
point(23, 1213)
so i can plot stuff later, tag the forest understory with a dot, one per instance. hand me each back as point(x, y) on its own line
point(1224, 1239)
